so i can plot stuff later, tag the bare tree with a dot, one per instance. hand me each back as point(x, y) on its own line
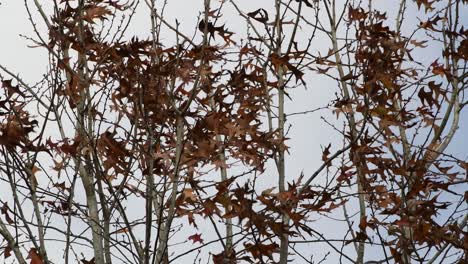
point(129, 143)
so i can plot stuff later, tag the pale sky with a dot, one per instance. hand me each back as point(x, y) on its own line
point(308, 133)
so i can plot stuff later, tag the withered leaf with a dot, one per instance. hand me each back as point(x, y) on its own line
point(196, 238)
point(34, 256)
point(261, 15)
point(96, 12)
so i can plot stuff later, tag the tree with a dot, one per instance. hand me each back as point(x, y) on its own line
point(161, 148)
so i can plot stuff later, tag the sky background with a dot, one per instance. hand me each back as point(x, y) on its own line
point(308, 133)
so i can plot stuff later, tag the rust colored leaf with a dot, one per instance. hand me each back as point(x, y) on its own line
point(7, 251)
point(356, 14)
point(196, 238)
point(96, 12)
point(5, 211)
point(34, 257)
point(326, 152)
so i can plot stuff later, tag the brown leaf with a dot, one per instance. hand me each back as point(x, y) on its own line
point(188, 194)
point(196, 238)
point(121, 231)
point(96, 12)
point(326, 152)
point(34, 257)
point(84, 261)
point(356, 14)
point(259, 250)
point(7, 251)
point(419, 43)
point(463, 49)
point(261, 15)
point(5, 211)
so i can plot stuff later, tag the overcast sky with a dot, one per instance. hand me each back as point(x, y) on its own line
point(308, 132)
